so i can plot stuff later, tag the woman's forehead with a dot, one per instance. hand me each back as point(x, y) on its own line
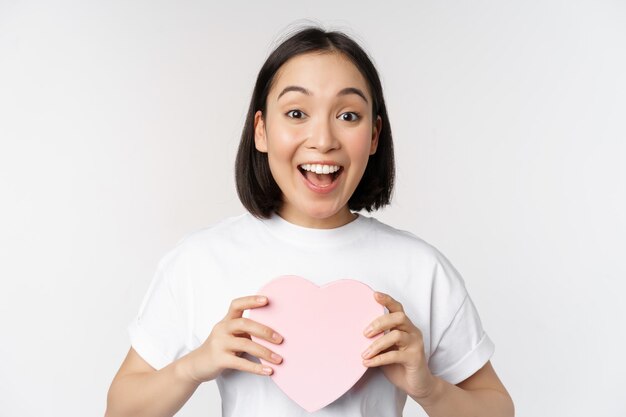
point(324, 73)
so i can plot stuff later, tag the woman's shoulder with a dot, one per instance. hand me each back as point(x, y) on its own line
point(398, 243)
point(399, 237)
point(218, 230)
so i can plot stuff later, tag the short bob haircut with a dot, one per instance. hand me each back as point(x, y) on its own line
point(256, 186)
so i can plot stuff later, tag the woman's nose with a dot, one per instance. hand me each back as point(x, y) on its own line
point(322, 137)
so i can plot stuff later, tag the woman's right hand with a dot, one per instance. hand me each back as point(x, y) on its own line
point(229, 338)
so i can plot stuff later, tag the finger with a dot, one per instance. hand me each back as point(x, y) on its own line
point(388, 301)
point(397, 320)
point(393, 356)
point(241, 364)
point(238, 305)
point(240, 344)
point(243, 325)
point(395, 338)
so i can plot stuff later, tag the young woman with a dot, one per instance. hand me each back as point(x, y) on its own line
point(316, 148)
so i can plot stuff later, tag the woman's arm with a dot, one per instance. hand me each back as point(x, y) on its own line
point(482, 394)
point(139, 390)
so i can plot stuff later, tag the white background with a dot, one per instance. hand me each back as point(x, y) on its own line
point(119, 123)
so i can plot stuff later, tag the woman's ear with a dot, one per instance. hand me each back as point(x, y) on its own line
point(376, 135)
point(260, 140)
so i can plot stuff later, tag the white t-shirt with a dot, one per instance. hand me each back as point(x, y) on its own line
point(196, 281)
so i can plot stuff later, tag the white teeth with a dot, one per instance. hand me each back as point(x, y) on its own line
point(320, 169)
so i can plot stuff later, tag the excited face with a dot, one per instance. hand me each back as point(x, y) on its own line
point(318, 133)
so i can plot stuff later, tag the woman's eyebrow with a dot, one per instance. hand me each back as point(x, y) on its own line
point(343, 92)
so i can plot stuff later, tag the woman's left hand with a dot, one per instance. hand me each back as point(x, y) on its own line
point(401, 350)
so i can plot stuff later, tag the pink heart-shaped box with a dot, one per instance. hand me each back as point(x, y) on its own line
point(322, 329)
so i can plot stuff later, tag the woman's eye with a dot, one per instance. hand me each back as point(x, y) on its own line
point(297, 114)
point(354, 116)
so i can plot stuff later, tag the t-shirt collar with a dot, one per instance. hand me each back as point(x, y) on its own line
point(309, 236)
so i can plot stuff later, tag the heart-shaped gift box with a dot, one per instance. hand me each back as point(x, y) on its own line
point(322, 329)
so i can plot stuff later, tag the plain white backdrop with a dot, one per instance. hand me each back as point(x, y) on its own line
point(119, 123)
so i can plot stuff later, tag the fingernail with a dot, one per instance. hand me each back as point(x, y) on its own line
point(261, 299)
point(366, 353)
point(368, 330)
point(276, 337)
point(267, 370)
point(276, 356)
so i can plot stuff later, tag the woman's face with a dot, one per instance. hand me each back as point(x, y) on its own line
point(318, 112)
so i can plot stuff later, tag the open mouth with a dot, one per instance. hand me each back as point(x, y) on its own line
point(320, 180)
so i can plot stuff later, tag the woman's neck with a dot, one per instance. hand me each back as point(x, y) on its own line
point(341, 218)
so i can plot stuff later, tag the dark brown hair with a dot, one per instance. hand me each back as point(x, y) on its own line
point(256, 187)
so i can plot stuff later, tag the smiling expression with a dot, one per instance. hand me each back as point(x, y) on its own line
point(319, 111)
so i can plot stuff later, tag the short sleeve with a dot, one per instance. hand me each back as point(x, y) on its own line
point(159, 332)
point(464, 347)
point(461, 345)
